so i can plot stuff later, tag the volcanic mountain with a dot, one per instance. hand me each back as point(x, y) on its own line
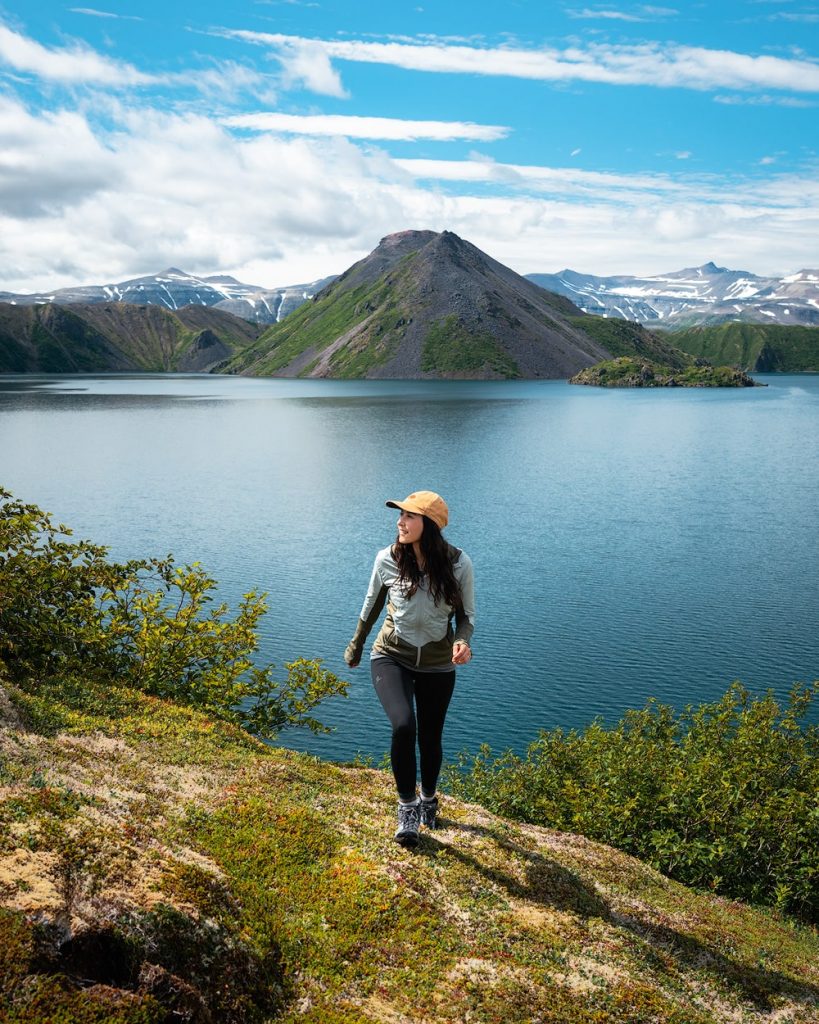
point(425, 304)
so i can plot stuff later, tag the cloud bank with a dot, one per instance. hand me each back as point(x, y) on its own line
point(186, 190)
point(184, 168)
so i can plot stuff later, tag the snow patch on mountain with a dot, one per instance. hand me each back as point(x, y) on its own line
point(174, 288)
point(706, 294)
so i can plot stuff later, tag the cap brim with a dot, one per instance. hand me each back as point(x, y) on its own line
point(405, 506)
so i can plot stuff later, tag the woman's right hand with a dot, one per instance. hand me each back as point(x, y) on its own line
point(352, 655)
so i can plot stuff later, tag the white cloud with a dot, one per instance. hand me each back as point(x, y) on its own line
point(163, 189)
point(587, 12)
point(683, 154)
point(226, 82)
point(807, 17)
point(575, 152)
point(649, 64)
point(642, 13)
point(306, 64)
point(67, 65)
point(563, 181)
point(103, 14)
point(764, 100)
point(32, 182)
point(367, 127)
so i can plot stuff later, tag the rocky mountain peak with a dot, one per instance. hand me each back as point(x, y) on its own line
point(426, 304)
point(409, 240)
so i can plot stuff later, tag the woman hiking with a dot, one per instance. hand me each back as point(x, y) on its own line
point(428, 588)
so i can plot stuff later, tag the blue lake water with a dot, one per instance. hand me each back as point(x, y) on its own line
point(627, 544)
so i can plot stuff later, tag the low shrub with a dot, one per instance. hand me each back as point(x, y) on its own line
point(150, 624)
point(722, 796)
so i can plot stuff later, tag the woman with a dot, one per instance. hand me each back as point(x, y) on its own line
point(427, 585)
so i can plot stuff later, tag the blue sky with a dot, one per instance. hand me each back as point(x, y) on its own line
point(279, 140)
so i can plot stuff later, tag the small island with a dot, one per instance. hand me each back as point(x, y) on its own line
point(630, 372)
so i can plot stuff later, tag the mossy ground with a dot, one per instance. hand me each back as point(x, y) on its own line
point(451, 348)
point(275, 872)
point(625, 338)
point(634, 372)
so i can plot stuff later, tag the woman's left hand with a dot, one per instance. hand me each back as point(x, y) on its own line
point(461, 653)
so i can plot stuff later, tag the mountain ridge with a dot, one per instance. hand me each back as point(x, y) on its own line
point(118, 336)
point(694, 296)
point(756, 347)
point(173, 289)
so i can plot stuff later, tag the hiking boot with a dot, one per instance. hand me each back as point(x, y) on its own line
point(409, 820)
point(429, 812)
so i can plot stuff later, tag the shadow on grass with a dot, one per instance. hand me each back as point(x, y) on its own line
point(549, 884)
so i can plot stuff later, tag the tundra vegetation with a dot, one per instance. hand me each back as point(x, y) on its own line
point(635, 372)
point(159, 863)
point(760, 348)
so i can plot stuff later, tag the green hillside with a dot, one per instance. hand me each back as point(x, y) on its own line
point(764, 348)
point(159, 864)
point(331, 314)
point(625, 338)
point(104, 337)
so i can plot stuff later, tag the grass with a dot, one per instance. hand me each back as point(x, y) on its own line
point(624, 338)
point(199, 850)
point(761, 347)
point(451, 348)
point(320, 321)
point(65, 339)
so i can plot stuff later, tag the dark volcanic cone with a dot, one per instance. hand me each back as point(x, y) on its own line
point(425, 304)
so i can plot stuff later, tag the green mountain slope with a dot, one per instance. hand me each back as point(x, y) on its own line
point(425, 305)
point(762, 348)
point(626, 338)
point(117, 336)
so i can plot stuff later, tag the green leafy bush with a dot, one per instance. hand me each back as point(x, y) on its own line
point(722, 796)
point(148, 623)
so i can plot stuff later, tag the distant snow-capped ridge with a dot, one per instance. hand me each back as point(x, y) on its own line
point(174, 288)
point(696, 295)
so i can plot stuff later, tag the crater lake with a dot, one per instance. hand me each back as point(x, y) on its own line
point(627, 543)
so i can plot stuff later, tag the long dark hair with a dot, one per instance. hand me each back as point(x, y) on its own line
point(438, 556)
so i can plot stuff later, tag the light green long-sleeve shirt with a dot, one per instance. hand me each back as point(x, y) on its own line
point(416, 631)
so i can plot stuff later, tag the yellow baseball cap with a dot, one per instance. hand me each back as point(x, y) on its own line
point(424, 503)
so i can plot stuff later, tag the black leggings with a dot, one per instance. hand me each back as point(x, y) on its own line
point(396, 687)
